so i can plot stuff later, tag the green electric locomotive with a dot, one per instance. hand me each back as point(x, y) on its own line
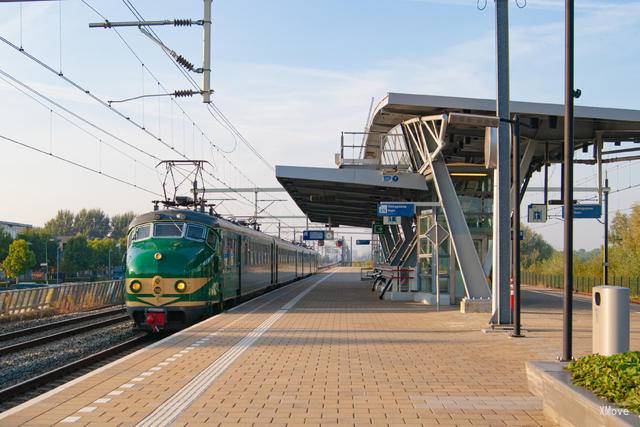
point(183, 265)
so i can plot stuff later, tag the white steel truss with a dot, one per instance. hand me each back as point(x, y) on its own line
point(425, 137)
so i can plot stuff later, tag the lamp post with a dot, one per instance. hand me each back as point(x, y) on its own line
point(58, 263)
point(567, 186)
point(605, 260)
point(46, 262)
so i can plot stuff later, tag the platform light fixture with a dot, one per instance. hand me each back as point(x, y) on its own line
point(473, 120)
point(468, 174)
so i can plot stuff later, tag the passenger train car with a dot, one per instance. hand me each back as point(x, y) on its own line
point(182, 265)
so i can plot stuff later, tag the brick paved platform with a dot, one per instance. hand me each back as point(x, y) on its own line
point(323, 351)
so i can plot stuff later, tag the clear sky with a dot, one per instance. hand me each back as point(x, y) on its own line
point(290, 75)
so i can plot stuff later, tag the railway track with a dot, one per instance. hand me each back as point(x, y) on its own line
point(25, 390)
point(62, 323)
point(36, 359)
point(63, 334)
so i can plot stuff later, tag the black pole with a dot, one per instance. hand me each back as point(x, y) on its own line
point(515, 163)
point(605, 261)
point(567, 326)
point(546, 173)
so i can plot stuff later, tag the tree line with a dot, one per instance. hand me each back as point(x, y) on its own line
point(80, 242)
point(540, 257)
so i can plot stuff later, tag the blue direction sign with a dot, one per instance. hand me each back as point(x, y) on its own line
point(586, 211)
point(363, 242)
point(396, 209)
point(313, 235)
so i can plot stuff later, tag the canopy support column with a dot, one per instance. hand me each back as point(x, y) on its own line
point(426, 135)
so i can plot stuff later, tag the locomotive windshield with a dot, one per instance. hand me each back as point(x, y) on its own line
point(195, 232)
point(172, 230)
point(168, 229)
point(141, 232)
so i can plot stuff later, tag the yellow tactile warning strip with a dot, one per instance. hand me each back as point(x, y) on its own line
point(48, 409)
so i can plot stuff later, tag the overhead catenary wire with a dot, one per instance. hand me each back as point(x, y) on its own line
point(211, 107)
point(72, 113)
point(102, 102)
point(160, 85)
point(77, 126)
point(136, 14)
point(86, 91)
point(190, 79)
point(77, 164)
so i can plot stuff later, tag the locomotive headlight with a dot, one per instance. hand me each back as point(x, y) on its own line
point(157, 256)
point(135, 286)
point(181, 286)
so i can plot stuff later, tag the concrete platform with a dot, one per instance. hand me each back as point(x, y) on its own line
point(323, 351)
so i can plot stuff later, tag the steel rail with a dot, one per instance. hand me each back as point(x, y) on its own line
point(16, 390)
point(42, 328)
point(60, 335)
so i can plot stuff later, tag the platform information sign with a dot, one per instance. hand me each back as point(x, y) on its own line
point(585, 211)
point(313, 235)
point(396, 209)
point(363, 242)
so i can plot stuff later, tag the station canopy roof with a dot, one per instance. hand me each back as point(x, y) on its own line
point(349, 195)
point(541, 122)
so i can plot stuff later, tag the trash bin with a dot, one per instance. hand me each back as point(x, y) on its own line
point(610, 320)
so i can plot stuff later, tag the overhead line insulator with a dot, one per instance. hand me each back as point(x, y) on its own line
point(184, 62)
point(182, 22)
point(183, 93)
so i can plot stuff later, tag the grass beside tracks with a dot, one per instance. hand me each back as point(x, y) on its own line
point(614, 378)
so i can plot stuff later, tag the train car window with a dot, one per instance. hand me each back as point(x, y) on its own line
point(142, 232)
point(168, 229)
point(224, 251)
point(211, 239)
point(195, 232)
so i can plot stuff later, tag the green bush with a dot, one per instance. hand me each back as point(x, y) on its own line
point(615, 378)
